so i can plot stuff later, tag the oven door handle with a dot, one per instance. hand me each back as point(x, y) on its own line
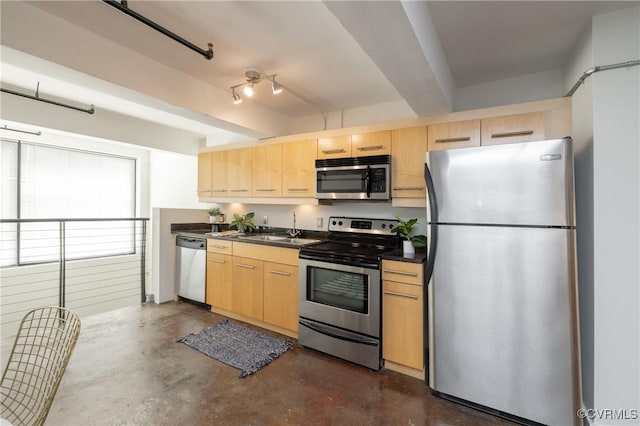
point(331, 333)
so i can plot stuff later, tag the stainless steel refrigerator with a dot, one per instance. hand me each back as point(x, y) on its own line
point(502, 314)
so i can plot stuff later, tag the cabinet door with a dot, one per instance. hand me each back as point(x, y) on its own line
point(247, 291)
point(513, 128)
point(402, 327)
point(299, 168)
point(219, 280)
point(408, 148)
point(219, 187)
point(204, 174)
point(239, 172)
point(335, 147)
point(458, 134)
point(266, 178)
point(374, 143)
point(281, 295)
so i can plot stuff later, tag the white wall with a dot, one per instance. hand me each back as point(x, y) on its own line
point(616, 135)
point(606, 113)
point(524, 88)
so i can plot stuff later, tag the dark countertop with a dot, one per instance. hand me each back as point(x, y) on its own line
point(203, 230)
point(419, 257)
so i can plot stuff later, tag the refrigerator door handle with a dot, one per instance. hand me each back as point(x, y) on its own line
point(433, 210)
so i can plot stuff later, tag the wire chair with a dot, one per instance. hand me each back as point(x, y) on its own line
point(41, 351)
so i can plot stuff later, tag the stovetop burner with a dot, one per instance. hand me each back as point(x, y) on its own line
point(355, 241)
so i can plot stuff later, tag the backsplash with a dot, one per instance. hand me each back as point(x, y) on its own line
point(307, 215)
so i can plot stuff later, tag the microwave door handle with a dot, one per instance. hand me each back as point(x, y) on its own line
point(367, 181)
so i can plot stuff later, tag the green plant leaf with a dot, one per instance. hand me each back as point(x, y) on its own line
point(419, 241)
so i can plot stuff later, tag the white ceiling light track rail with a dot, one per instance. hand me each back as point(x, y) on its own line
point(253, 76)
point(37, 97)
point(596, 69)
point(124, 8)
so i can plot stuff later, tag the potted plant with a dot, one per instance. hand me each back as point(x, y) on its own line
point(243, 223)
point(215, 215)
point(405, 228)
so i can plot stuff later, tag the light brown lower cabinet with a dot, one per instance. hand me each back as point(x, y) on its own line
point(402, 317)
point(219, 283)
point(247, 292)
point(281, 295)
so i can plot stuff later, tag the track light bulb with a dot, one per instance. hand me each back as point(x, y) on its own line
point(276, 87)
point(248, 90)
point(236, 98)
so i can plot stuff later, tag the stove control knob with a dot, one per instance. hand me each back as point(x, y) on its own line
point(340, 223)
point(384, 225)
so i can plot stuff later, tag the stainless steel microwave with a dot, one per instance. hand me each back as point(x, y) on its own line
point(354, 178)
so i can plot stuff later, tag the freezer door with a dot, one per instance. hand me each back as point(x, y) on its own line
point(503, 320)
point(517, 184)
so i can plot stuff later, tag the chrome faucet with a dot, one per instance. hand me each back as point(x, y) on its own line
point(294, 233)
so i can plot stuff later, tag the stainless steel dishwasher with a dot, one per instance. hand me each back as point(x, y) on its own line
point(191, 263)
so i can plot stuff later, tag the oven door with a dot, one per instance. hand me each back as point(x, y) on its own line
point(340, 295)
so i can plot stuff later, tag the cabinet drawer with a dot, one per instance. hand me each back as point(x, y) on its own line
point(402, 272)
point(458, 134)
point(286, 256)
point(219, 246)
point(513, 128)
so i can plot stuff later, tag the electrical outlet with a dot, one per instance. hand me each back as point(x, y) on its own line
point(319, 222)
point(265, 220)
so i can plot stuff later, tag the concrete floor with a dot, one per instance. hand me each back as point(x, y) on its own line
point(128, 369)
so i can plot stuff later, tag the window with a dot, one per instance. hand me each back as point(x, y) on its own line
point(49, 182)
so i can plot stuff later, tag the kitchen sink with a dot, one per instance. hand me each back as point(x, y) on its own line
point(263, 237)
point(280, 239)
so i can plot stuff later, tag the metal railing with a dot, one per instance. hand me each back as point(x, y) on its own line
point(90, 265)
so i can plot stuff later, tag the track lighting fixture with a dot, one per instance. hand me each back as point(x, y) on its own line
point(253, 76)
point(236, 98)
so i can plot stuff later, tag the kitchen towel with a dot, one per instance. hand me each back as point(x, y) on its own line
point(237, 346)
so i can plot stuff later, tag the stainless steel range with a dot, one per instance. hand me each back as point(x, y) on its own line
point(340, 289)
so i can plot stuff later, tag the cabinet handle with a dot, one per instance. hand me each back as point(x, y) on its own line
point(408, 296)
point(391, 271)
point(286, 274)
point(333, 151)
point(243, 265)
point(510, 134)
point(239, 190)
point(410, 188)
point(204, 190)
point(265, 190)
point(459, 139)
point(218, 190)
point(297, 189)
point(217, 246)
point(217, 261)
point(370, 148)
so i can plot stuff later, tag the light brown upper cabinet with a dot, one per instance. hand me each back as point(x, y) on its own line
point(374, 143)
point(299, 168)
point(457, 134)
point(239, 172)
point(219, 187)
point(204, 174)
point(408, 148)
point(266, 171)
point(513, 128)
point(334, 147)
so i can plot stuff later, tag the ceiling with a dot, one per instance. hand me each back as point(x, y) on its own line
point(328, 55)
